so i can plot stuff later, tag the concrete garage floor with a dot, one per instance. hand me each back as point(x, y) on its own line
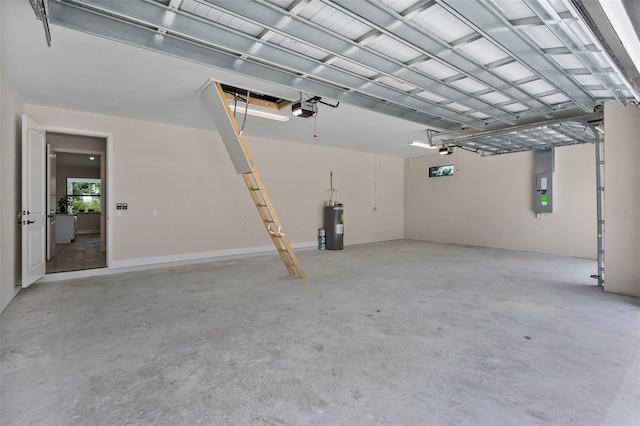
point(396, 333)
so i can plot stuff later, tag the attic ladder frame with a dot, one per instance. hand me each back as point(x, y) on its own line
point(214, 97)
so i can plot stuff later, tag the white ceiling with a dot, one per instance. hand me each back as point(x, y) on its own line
point(93, 74)
point(78, 160)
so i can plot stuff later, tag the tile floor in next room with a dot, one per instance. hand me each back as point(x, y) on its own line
point(82, 253)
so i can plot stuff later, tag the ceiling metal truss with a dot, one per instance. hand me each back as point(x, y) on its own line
point(536, 136)
point(448, 64)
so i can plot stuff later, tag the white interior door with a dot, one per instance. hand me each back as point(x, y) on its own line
point(34, 205)
point(51, 203)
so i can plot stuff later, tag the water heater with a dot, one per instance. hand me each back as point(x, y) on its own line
point(334, 226)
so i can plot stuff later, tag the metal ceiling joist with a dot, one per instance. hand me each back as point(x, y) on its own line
point(383, 18)
point(558, 26)
point(84, 19)
point(540, 135)
point(487, 22)
point(516, 143)
point(572, 133)
point(151, 15)
point(575, 131)
point(447, 64)
point(279, 21)
point(484, 144)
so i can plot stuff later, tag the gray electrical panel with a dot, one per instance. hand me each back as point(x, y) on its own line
point(544, 193)
point(543, 171)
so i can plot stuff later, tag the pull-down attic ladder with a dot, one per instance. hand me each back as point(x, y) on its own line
point(214, 98)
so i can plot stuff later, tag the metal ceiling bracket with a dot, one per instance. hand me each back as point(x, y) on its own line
point(431, 133)
point(540, 135)
point(40, 9)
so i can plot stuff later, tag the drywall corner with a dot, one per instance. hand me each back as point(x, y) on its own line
point(622, 199)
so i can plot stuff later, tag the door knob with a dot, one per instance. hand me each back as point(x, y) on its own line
point(30, 222)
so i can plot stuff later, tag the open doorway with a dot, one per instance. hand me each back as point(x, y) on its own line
point(77, 201)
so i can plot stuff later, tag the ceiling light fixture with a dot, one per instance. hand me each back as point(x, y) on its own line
point(445, 150)
point(260, 113)
point(422, 145)
point(92, 158)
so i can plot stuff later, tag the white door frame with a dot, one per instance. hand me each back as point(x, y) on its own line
point(105, 168)
point(51, 202)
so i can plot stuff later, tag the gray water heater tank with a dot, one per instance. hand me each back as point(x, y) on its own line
point(334, 226)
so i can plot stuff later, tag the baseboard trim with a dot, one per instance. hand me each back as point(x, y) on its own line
point(156, 262)
point(205, 255)
point(88, 231)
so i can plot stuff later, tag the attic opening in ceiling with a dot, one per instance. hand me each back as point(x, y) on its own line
point(255, 98)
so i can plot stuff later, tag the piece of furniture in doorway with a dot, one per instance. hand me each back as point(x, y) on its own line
point(65, 228)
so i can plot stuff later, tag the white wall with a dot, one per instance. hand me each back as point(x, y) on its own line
point(11, 106)
point(622, 199)
point(488, 202)
point(203, 206)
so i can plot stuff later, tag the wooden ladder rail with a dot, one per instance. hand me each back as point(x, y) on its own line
point(272, 223)
point(244, 165)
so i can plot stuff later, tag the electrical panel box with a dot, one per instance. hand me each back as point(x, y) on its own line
point(543, 202)
point(543, 168)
